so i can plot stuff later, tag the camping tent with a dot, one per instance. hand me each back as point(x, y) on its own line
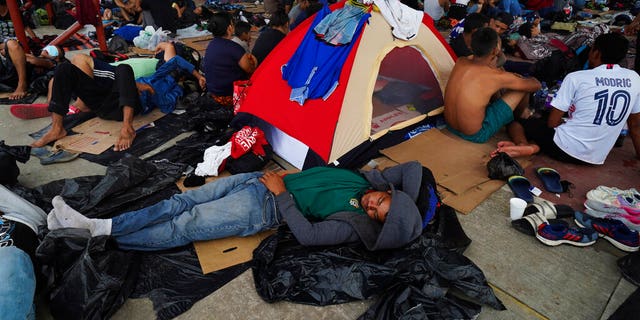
point(385, 84)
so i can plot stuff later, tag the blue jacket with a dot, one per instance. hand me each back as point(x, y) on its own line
point(166, 87)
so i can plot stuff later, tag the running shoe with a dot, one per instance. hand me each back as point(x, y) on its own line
point(624, 199)
point(557, 234)
point(630, 220)
point(610, 208)
point(614, 231)
point(615, 191)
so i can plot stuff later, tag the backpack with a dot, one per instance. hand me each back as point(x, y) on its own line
point(557, 66)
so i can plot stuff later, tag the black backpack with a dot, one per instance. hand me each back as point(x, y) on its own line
point(557, 66)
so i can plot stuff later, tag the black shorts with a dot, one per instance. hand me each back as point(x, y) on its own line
point(536, 130)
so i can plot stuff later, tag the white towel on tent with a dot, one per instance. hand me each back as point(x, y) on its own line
point(405, 21)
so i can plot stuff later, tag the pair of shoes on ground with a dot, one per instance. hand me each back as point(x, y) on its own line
point(47, 156)
point(521, 186)
point(590, 229)
point(554, 232)
point(613, 203)
point(543, 219)
point(614, 200)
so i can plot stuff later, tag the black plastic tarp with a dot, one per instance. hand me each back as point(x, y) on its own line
point(414, 282)
point(87, 278)
point(173, 280)
point(126, 181)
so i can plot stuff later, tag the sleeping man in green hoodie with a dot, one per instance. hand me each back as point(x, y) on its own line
point(322, 206)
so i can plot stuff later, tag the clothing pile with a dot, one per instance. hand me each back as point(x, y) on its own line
point(247, 150)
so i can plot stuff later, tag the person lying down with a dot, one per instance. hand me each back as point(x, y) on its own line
point(322, 206)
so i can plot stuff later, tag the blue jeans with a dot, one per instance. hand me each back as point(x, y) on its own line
point(239, 205)
point(18, 284)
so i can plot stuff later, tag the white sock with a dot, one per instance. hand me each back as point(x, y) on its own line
point(52, 221)
point(101, 227)
point(67, 217)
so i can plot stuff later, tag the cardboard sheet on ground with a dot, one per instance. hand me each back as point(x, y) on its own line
point(218, 254)
point(459, 166)
point(97, 135)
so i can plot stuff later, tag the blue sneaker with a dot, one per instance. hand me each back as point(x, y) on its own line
point(614, 231)
point(557, 234)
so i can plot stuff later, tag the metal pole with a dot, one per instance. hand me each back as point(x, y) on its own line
point(18, 26)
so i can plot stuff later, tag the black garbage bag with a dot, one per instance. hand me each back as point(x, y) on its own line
point(403, 278)
point(502, 166)
point(173, 280)
point(629, 266)
point(147, 139)
point(8, 166)
point(126, 181)
point(87, 278)
point(629, 309)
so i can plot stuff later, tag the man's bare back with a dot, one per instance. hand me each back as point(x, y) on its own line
point(472, 84)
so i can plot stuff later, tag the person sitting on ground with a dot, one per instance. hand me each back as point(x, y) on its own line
point(242, 35)
point(129, 10)
point(598, 101)
point(461, 44)
point(19, 223)
point(17, 68)
point(276, 30)
point(159, 14)
point(297, 9)
point(480, 98)
point(225, 61)
point(310, 7)
point(377, 208)
point(111, 92)
point(436, 9)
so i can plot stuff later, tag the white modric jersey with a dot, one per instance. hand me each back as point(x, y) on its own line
point(599, 102)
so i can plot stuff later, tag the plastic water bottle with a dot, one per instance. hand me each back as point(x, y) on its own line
point(623, 134)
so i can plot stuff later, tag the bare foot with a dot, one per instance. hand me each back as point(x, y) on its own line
point(50, 136)
point(18, 94)
point(127, 134)
point(500, 145)
point(505, 143)
point(520, 151)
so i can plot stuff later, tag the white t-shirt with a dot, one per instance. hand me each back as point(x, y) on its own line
point(433, 9)
point(599, 102)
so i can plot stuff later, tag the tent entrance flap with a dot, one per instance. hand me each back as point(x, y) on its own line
point(406, 88)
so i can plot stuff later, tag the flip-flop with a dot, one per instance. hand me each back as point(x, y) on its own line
point(520, 187)
point(550, 179)
point(35, 110)
point(58, 157)
point(30, 111)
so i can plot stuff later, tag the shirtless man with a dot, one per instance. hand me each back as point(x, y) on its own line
point(481, 98)
point(111, 92)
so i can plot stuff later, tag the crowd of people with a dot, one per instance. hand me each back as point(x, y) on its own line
point(486, 91)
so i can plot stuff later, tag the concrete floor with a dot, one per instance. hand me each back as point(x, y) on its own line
point(534, 281)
